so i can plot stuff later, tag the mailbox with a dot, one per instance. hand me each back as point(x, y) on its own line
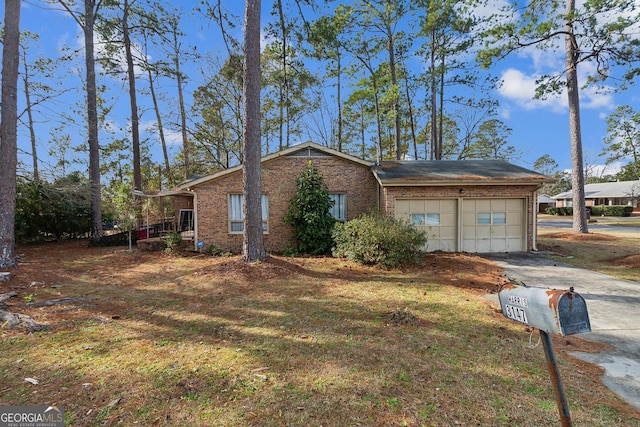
point(550, 310)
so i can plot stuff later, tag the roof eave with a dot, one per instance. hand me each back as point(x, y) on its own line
point(440, 183)
point(273, 156)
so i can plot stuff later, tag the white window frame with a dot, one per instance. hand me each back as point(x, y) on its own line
point(425, 219)
point(418, 219)
point(490, 218)
point(339, 209)
point(236, 213)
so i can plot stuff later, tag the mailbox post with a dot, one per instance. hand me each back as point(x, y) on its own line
point(549, 311)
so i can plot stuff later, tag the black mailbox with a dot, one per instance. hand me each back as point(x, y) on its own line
point(550, 310)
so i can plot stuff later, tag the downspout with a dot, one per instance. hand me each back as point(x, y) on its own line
point(195, 221)
point(534, 243)
point(380, 186)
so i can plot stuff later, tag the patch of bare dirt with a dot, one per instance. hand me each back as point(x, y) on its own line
point(465, 270)
point(630, 261)
point(236, 270)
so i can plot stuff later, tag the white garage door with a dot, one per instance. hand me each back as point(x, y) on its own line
point(438, 218)
point(493, 225)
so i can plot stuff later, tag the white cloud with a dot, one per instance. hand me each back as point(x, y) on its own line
point(519, 87)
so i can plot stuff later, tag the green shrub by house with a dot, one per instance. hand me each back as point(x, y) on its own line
point(379, 240)
point(310, 214)
point(614, 210)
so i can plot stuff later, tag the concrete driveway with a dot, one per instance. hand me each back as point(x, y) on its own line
point(614, 311)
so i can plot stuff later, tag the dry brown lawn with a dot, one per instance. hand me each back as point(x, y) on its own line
point(151, 339)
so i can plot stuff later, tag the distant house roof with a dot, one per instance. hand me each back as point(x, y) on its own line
point(601, 190)
point(441, 172)
point(306, 149)
point(543, 198)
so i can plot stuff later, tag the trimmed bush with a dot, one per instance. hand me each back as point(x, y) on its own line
point(376, 239)
point(615, 210)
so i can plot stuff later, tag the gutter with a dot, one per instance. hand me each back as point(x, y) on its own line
point(437, 183)
point(534, 242)
point(195, 221)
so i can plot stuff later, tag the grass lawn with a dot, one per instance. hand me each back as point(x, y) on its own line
point(616, 253)
point(201, 341)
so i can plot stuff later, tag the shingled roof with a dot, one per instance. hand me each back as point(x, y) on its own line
point(601, 190)
point(441, 172)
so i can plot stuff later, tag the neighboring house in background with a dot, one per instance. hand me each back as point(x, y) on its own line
point(472, 205)
point(619, 193)
point(545, 202)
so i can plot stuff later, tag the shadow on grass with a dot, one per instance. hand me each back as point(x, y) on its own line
point(200, 344)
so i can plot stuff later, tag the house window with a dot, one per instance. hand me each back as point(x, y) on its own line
point(236, 216)
point(488, 218)
point(433, 219)
point(186, 220)
point(429, 219)
point(417, 219)
point(499, 218)
point(484, 218)
point(338, 211)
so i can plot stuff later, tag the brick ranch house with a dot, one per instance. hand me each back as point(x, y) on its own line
point(472, 206)
point(620, 193)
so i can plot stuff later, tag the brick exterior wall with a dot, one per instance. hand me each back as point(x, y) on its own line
point(528, 192)
point(278, 181)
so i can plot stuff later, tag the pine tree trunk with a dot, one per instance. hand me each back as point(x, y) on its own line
point(339, 99)
point(92, 122)
point(131, 76)
point(9, 132)
point(573, 95)
point(396, 101)
point(163, 141)
point(435, 152)
point(32, 131)
point(253, 245)
point(186, 146)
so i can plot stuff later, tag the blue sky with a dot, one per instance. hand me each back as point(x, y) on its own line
point(538, 127)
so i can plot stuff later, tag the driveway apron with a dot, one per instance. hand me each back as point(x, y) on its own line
point(614, 312)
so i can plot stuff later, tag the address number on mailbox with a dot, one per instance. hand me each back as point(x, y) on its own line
point(516, 313)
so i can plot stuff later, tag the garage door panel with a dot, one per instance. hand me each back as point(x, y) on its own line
point(483, 232)
point(441, 245)
point(469, 233)
point(493, 225)
point(514, 231)
point(433, 206)
point(482, 205)
point(448, 220)
point(498, 245)
point(416, 206)
point(498, 205)
point(483, 245)
point(440, 220)
point(469, 219)
point(403, 209)
point(514, 245)
point(514, 204)
point(498, 232)
point(514, 219)
point(469, 246)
